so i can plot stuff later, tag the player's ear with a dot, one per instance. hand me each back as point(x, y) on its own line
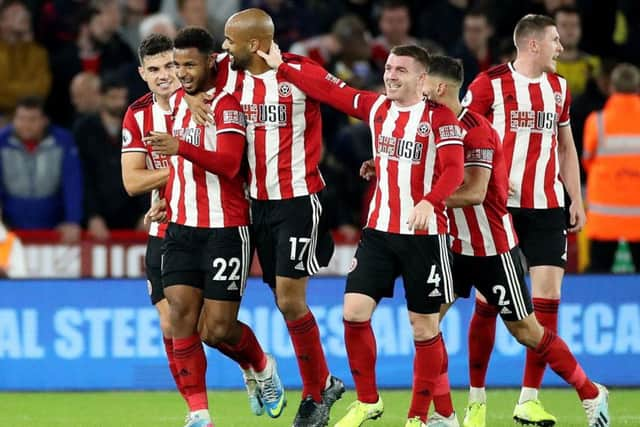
point(421, 78)
point(254, 45)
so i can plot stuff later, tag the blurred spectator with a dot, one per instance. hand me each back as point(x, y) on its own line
point(627, 31)
point(24, 64)
point(209, 14)
point(550, 6)
point(593, 98)
point(343, 196)
point(99, 141)
point(599, 17)
point(56, 22)
point(474, 49)
point(134, 12)
point(612, 161)
point(13, 260)
point(85, 93)
point(291, 20)
point(573, 64)
point(41, 181)
point(98, 48)
point(506, 50)
point(441, 20)
point(505, 14)
point(394, 23)
point(345, 50)
point(160, 23)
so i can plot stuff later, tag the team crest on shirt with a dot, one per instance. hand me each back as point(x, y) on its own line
point(354, 264)
point(126, 137)
point(466, 101)
point(424, 129)
point(284, 89)
point(558, 97)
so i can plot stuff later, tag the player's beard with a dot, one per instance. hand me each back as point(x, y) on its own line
point(239, 63)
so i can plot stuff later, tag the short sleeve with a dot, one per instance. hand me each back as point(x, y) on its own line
point(479, 96)
point(564, 114)
point(479, 147)
point(131, 133)
point(228, 116)
point(446, 127)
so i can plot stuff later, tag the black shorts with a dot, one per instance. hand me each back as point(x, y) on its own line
point(500, 278)
point(153, 269)
point(542, 234)
point(292, 237)
point(422, 261)
point(216, 260)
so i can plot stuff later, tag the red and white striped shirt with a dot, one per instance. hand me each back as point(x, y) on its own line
point(201, 198)
point(526, 113)
point(284, 131)
point(485, 229)
point(143, 116)
point(406, 143)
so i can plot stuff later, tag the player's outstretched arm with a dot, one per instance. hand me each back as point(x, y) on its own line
point(321, 85)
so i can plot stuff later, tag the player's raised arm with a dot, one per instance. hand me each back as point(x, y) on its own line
point(321, 85)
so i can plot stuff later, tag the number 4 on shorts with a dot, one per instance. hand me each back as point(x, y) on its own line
point(434, 279)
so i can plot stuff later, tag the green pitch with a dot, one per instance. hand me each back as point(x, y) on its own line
point(230, 408)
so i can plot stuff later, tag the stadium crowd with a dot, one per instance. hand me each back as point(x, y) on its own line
point(70, 70)
point(461, 193)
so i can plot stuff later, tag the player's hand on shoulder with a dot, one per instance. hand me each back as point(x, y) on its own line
point(199, 106)
point(273, 58)
point(162, 143)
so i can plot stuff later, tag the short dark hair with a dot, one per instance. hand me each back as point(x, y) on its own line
point(625, 78)
point(479, 12)
point(31, 102)
point(112, 80)
point(154, 44)
point(447, 67)
point(531, 24)
point(393, 4)
point(196, 37)
point(571, 10)
point(416, 52)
